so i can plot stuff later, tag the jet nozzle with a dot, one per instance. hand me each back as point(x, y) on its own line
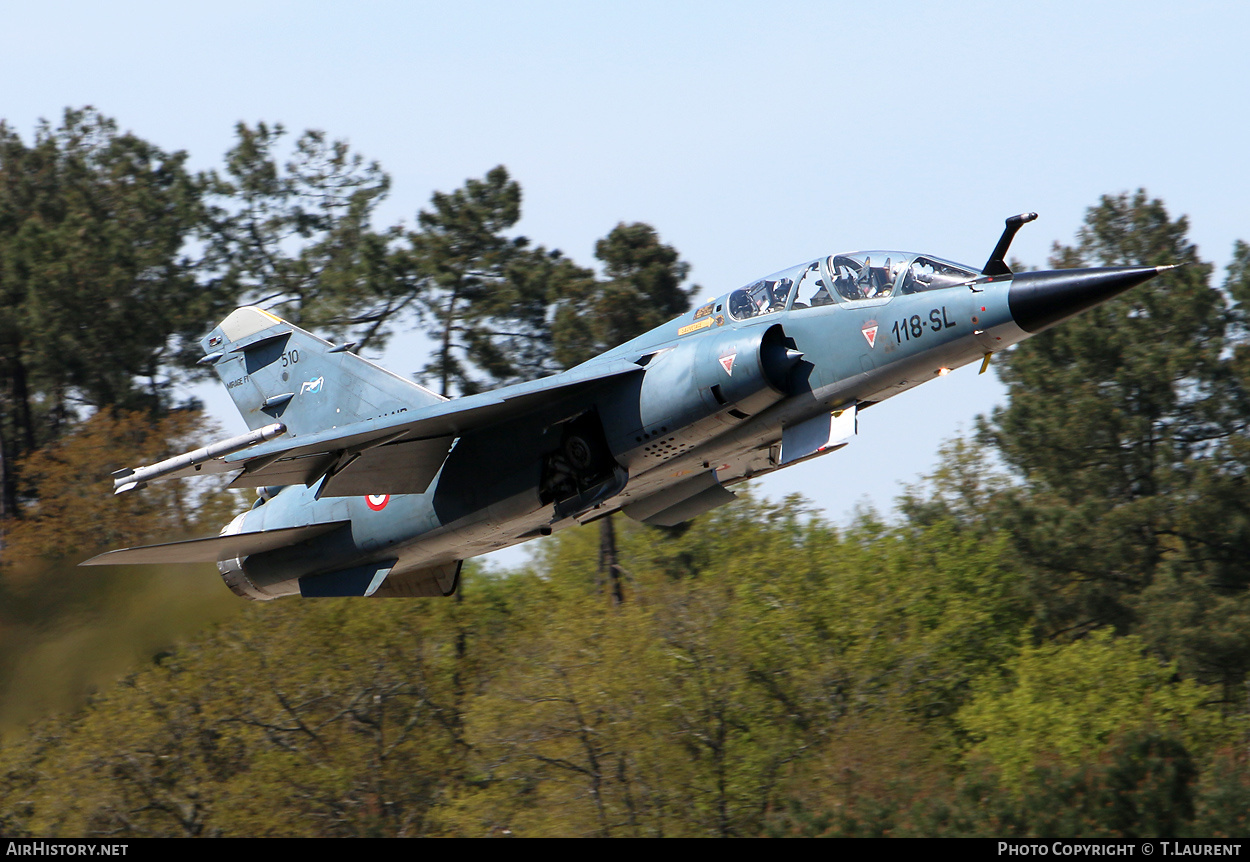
point(1041, 299)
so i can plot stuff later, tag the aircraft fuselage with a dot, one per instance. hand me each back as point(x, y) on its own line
point(370, 495)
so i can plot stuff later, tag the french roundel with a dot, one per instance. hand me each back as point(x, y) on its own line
point(377, 502)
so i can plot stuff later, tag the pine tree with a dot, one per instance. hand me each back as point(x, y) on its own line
point(1107, 415)
point(298, 235)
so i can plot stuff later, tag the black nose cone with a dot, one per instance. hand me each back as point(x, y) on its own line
point(1041, 299)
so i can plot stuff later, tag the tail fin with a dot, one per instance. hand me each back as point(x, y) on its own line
point(275, 371)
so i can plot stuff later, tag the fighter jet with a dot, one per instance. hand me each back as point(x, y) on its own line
point(371, 485)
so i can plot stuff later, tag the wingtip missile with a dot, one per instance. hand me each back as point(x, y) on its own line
point(130, 479)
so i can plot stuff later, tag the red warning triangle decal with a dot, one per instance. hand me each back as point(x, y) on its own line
point(727, 363)
point(870, 333)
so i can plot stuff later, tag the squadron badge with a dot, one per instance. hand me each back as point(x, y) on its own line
point(870, 333)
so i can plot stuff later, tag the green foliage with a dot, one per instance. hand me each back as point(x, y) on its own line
point(316, 718)
point(1068, 701)
point(503, 311)
point(1106, 413)
point(691, 709)
point(463, 252)
point(1141, 786)
point(766, 673)
point(1126, 428)
point(643, 289)
point(64, 629)
point(76, 512)
point(1197, 608)
point(298, 235)
point(96, 290)
point(1223, 797)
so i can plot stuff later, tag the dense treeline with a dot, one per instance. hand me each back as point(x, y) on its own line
point(767, 674)
point(1049, 639)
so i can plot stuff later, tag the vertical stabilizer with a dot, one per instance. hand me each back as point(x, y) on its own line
point(277, 372)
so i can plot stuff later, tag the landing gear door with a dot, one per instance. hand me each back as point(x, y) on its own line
point(820, 434)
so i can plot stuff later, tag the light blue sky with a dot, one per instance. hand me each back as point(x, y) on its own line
point(751, 135)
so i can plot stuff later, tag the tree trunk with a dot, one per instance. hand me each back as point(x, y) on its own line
point(609, 570)
point(23, 424)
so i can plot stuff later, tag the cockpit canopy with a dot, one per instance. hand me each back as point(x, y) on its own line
point(851, 277)
point(872, 274)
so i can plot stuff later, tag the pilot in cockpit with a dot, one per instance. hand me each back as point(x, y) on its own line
point(844, 280)
point(780, 291)
point(877, 282)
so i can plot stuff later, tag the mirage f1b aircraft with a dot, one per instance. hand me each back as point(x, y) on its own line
point(370, 485)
